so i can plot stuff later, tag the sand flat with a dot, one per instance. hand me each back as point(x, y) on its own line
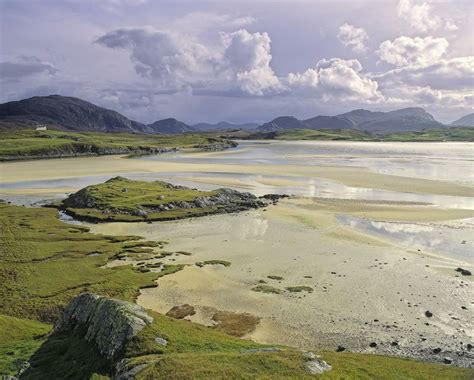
point(114, 165)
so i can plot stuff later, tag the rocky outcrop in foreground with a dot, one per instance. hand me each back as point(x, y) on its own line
point(109, 323)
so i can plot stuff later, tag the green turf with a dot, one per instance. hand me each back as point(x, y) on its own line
point(45, 262)
point(19, 339)
point(442, 134)
point(20, 143)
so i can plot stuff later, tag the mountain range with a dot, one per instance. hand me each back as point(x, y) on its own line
point(406, 119)
point(68, 113)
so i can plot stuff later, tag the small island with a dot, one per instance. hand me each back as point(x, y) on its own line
point(123, 200)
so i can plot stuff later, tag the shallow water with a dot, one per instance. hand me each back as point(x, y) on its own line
point(449, 162)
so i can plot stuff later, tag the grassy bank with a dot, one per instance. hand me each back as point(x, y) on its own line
point(17, 144)
point(433, 135)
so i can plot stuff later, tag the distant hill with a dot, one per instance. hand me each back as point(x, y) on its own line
point(329, 122)
point(73, 114)
point(406, 119)
point(67, 113)
point(223, 125)
point(281, 123)
point(170, 127)
point(467, 120)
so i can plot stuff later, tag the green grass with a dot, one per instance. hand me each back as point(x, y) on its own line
point(446, 134)
point(22, 143)
point(442, 134)
point(19, 339)
point(368, 367)
point(120, 199)
point(45, 262)
point(328, 134)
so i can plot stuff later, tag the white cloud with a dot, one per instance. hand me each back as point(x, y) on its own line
point(336, 78)
point(421, 17)
point(453, 73)
point(353, 37)
point(405, 51)
point(427, 96)
point(248, 56)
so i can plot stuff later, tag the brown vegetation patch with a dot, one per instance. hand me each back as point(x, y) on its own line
point(236, 324)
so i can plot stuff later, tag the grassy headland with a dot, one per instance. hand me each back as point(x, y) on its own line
point(44, 263)
point(21, 143)
point(121, 199)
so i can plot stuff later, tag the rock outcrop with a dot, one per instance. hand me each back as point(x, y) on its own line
point(108, 323)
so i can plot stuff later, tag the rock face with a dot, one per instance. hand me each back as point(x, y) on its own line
point(109, 323)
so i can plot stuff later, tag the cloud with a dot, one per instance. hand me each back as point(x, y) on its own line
point(404, 51)
point(247, 57)
point(353, 37)
point(452, 73)
point(25, 66)
point(421, 17)
point(171, 59)
point(336, 78)
point(427, 96)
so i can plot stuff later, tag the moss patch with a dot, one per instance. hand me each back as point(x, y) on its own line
point(266, 289)
point(213, 262)
point(298, 289)
point(273, 277)
point(235, 324)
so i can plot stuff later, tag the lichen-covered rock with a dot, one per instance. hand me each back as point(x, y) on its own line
point(109, 323)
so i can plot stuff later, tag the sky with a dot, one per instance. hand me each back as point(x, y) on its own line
point(241, 60)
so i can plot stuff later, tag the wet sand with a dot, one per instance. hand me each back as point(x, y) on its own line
point(113, 165)
point(366, 289)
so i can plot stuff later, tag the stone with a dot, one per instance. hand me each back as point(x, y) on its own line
point(109, 323)
point(317, 366)
point(161, 341)
point(463, 271)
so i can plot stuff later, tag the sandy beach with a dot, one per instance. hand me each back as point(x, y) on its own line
point(376, 249)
